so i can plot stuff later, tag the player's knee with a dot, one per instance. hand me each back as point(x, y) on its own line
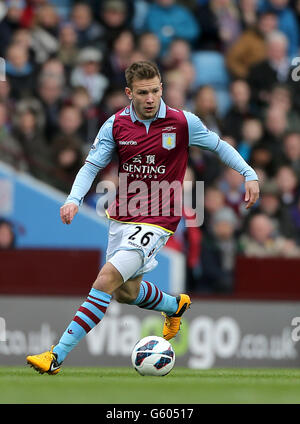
point(121, 297)
point(108, 280)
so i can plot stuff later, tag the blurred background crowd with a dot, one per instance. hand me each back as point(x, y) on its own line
point(232, 63)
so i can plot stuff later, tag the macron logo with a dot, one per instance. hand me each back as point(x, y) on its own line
point(128, 143)
point(169, 128)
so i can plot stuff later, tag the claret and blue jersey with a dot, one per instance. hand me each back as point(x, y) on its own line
point(152, 150)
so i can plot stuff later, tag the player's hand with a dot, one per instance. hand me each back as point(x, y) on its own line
point(252, 193)
point(67, 212)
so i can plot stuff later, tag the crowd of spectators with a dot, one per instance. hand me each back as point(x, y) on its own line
point(233, 63)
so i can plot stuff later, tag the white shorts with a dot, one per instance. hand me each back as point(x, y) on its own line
point(132, 247)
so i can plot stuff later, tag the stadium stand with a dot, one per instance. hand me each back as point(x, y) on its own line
point(65, 62)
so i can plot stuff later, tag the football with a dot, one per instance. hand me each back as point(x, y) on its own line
point(153, 355)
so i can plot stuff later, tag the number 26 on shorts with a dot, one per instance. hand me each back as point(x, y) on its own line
point(143, 237)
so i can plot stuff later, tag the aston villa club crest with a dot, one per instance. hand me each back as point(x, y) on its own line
point(169, 140)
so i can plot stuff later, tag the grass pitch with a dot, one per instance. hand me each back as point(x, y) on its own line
point(123, 385)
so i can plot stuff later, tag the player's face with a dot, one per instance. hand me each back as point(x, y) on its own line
point(145, 95)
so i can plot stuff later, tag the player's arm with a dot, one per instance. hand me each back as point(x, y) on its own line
point(99, 157)
point(200, 136)
point(232, 158)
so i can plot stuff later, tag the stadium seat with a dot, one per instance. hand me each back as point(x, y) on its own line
point(210, 69)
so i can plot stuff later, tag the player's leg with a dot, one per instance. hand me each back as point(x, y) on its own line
point(146, 295)
point(128, 291)
point(135, 291)
point(89, 314)
point(92, 311)
point(132, 262)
